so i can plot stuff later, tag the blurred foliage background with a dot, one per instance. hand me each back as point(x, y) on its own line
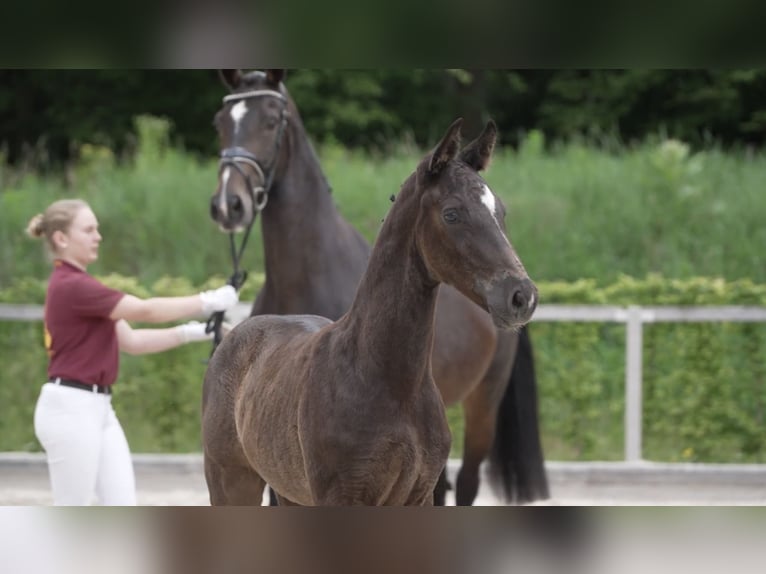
point(50, 113)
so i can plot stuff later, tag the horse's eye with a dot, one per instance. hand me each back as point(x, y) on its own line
point(451, 216)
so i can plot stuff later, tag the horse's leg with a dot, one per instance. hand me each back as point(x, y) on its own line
point(423, 496)
point(233, 485)
point(281, 499)
point(440, 490)
point(480, 408)
point(479, 417)
point(273, 498)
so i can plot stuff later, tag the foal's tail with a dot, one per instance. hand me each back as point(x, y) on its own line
point(516, 465)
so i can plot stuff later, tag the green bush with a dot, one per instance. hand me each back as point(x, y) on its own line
point(703, 383)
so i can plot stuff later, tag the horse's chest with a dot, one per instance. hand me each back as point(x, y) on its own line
point(391, 461)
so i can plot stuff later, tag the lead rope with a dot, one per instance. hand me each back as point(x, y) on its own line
point(236, 280)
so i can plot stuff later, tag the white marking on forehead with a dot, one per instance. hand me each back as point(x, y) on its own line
point(238, 112)
point(222, 200)
point(488, 199)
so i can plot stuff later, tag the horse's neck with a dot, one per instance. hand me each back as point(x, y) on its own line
point(301, 230)
point(392, 317)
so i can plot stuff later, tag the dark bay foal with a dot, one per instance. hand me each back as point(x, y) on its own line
point(348, 413)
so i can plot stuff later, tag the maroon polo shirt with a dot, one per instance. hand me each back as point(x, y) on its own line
point(80, 337)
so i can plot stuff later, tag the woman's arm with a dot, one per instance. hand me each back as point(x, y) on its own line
point(145, 341)
point(164, 309)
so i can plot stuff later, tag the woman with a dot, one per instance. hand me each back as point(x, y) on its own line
point(86, 325)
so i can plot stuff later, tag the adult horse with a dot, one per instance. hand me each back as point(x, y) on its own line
point(347, 412)
point(314, 260)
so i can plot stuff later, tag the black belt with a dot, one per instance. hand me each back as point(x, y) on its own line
point(93, 388)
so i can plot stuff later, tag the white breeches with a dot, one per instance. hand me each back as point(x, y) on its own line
point(86, 447)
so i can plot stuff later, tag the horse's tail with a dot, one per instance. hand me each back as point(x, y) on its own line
point(516, 464)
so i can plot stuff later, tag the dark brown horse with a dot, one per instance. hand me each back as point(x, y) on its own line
point(314, 260)
point(347, 412)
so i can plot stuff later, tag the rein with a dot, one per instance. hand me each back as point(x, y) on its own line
point(234, 157)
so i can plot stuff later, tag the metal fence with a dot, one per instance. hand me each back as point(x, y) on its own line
point(633, 316)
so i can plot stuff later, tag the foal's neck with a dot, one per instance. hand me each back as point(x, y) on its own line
point(392, 318)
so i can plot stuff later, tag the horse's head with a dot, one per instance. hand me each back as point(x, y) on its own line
point(461, 227)
point(251, 128)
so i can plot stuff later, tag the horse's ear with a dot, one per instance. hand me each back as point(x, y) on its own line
point(447, 148)
point(478, 153)
point(230, 78)
point(273, 77)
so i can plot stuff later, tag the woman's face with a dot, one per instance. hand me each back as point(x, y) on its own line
point(80, 244)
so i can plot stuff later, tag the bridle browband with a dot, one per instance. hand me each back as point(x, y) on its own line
point(234, 157)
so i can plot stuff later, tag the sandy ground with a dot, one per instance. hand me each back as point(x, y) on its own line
point(179, 481)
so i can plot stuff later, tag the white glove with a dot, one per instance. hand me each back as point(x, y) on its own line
point(193, 331)
point(219, 299)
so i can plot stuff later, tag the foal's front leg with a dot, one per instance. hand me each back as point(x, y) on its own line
point(422, 495)
point(284, 501)
point(233, 485)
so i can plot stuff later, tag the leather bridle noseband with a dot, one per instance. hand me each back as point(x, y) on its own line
point(235, 157)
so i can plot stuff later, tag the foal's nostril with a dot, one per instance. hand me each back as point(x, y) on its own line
point(518, 300)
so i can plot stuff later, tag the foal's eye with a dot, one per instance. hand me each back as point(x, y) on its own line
point(451, 216)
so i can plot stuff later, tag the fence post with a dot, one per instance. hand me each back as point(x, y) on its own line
point(633, 375)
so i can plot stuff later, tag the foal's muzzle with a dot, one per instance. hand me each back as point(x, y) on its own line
point(511, 302)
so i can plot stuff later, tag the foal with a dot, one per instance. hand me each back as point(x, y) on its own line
point(348, 413)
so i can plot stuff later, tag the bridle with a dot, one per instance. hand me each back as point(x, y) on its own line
point(235, 157)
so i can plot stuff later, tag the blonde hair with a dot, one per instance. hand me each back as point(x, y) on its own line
point(58, 217)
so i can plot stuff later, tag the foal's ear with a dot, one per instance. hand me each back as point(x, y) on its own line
point(478, 153)
point(273, 77)
point(230, 78)
point(447, 148)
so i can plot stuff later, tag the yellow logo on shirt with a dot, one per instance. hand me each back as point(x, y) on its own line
point(48, 339)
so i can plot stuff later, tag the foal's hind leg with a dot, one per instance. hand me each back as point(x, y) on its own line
point(233, 485)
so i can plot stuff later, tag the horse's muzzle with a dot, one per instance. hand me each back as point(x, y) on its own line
point(228, 211)
point(512, 302)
